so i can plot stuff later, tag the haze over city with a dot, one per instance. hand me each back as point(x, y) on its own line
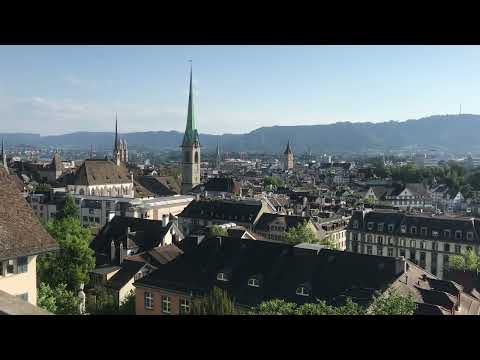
point(58, 89)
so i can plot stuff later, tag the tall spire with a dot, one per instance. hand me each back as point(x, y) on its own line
point(218, 156)
point(116, 134)
point(288, 150)
point(4, 157)
point(191, 135)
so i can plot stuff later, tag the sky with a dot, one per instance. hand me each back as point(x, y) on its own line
point(61, 89)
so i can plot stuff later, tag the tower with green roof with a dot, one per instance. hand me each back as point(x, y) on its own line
point(190, 148)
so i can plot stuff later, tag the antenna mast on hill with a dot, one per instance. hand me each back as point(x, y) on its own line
point(460, 109)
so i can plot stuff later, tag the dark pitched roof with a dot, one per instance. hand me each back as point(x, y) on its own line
point(288, 220)
point(165, 254)
point(21, 233)
point(160, 186)
point(222, 210)
point(140, 191)
point(98, 172)
point(148, 234)
point(12, 305)
point(125, 274)
point(227, 185)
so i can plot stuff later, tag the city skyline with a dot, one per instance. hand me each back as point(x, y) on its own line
point(61, 89)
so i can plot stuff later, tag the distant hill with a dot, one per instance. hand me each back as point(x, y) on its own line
point(449, 132)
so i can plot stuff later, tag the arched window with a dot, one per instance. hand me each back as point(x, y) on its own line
point(196, 157)
point(93, 192)
point(253, 282)
point(81, 192)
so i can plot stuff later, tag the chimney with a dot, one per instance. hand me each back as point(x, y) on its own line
point(120, 260)
point(400, 266)
point(112, 251)
point(165, 220)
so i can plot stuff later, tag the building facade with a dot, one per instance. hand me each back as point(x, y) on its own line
point(425, 240)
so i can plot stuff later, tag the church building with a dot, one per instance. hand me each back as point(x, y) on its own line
point(288, 157)
point(190, 149)
point(120, 148)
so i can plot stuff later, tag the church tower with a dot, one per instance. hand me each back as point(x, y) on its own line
point(288, 160)
point(190, 148)
point(117, 146)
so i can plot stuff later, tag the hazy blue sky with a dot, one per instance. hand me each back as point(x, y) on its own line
point(59, 89)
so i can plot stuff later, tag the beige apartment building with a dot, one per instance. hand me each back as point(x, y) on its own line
point(22, 238)
point(426, 240)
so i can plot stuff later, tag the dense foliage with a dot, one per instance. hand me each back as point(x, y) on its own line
point(127, 306)
point(58, 300)
point(105, 303)
point(68, 208)
point(300, 234)
point(217, 302)
point(272, 180)
point(71, 264)
point(466, 262)
point(216, 230)
point(387, 304)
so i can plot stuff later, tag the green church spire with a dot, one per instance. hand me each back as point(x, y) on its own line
point(191, 135)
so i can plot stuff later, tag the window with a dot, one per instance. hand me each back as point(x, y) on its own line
point(445, 260)
point(222, 277)
point(370, 226)
point(390, 251)
point(403, 229)
point(253, 282)
point(470, 235)
point(23, 296)
point(355, 237)
point(90, 218)
point(435, 233)
point(422, 245)
point(424, 231)
point(85, 219)
point(379, 251)
point(458, 234)
point(413, 243)
point(389, 240)
point(355, 224)
point(380, 227)
point(458, 249)
point(184, 306)
point(434, 246)
point(446, 248)
point(148, 300)
point(413, 230)
point(369, 250)
point(446, 234)
point(196, 157)
point(390, 228)
point(166, 304)
point(10, 267)
point(402, 252)
point(380, 239)
point(97, 220)
point(369, 238)
point(22, 265)
point(302, 291)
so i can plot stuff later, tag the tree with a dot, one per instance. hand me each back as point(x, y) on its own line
point(392, 303)
point(127, 306)
point(329, 243)
point(105, 303)
point(467, 262)
point(272, 180)
point(217, 302)
point(276, 307)
point(71, 264)
point(58, 300)
point(68, 208)
point(300, 234)
point(43, 187)
point(216, 230)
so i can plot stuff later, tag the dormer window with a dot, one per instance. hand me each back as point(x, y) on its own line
point(302, 291)
point(458, 235)
point(424, 231)
point(380, 227)
point(413, 230)
point(446, 234)
point(469, 235)
point(434, 233)
point(403, 229)
point(370, 226)
point(222, 277)
point(253, 282)
point(390, 228)
point(355, 224)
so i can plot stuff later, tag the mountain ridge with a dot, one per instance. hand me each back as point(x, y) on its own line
point(451, 132)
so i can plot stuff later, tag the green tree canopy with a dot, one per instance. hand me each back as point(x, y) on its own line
point(392, 303)
point(71, 264)
point(58, 300)
point(465, 262)
point(127, 306)
point(105, 303)
point(216, 230)
point(68, 208)
point(217, 302)
point(272, 180)
point(300, 234)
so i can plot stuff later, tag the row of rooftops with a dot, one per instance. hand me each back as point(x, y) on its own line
point(253, 271)
point(461, 229)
